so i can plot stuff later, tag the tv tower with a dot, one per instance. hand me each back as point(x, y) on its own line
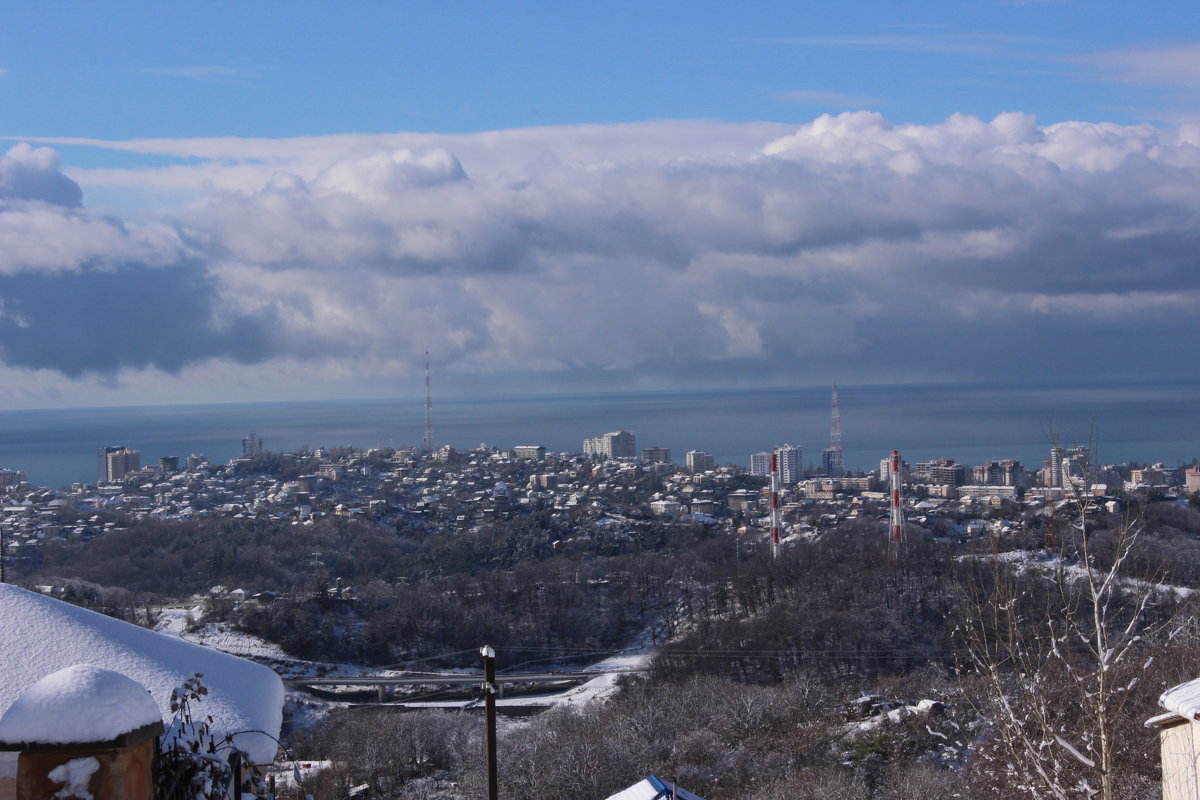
point(427, 442)
point(831, 457)
point(897, 519)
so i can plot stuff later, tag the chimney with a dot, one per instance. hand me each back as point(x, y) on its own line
point(83, 733)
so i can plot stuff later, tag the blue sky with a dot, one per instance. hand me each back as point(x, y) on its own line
point(561, 196)
point(187, 69)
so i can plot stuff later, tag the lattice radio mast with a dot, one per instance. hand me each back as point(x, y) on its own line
point(427, 442)
point(835, 437)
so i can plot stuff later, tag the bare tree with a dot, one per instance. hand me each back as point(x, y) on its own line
point(1059, 644)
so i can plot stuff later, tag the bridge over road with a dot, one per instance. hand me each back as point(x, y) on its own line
point(448, 687)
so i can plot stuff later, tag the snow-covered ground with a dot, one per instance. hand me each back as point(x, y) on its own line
point(612, 668)
point(291, 774)
point(174, 621)
point(1050, 563)
point(302, 708)
point(40, 635)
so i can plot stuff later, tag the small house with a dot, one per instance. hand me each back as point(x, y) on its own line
point(654, 788)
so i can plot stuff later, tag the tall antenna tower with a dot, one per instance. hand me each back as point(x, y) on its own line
point(427, 442)
point(775, 512)
point(897, 536)
point(836, 465)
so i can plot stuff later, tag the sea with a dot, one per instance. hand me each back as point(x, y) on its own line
point(971, 423)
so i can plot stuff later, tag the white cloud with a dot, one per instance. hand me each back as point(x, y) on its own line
point(44, 230)
point(32, 173)
point(667, 249)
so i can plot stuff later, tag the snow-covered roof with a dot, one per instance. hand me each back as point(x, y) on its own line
point(652, 788)
point(1182, 701)
point(41, 635)
point(79, 704)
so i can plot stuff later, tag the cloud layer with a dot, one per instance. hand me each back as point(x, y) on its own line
point(84, 294)
point(663, 252)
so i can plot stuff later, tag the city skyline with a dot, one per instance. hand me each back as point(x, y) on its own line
point(1144, 423)
point(226, 204)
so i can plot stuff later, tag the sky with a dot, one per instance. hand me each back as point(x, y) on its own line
point(208, 201)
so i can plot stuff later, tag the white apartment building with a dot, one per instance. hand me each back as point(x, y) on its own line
point(656, 455)
point(617, 444)
point(699, 461)
point(791, 464)
point(119, 462)
point(252, 445)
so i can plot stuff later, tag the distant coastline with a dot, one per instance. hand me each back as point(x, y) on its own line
point(1143, 422)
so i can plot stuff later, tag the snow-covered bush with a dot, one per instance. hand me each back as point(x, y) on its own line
point(192, 763)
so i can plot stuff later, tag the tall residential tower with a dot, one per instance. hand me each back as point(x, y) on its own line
point(617, 444)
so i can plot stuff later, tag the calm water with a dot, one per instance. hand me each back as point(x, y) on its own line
point(970, 423)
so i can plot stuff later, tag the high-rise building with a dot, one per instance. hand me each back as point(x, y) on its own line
point(1000, 473)
point(943, 472)
point(617, 444)
point(940, 471)
point(196, 461)
point(699, 461)
point(906, 474)
point(831, 462)
point(791, 464)
point(656, 455)
point(1077, 460)
point(168, 464)
point(1052, 470)
point(11, 478)
point(117, 462)
point(251, 444)
point(790, 459)
point(1077, 465)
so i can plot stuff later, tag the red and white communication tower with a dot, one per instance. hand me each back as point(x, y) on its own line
point(897, 510)
point(775, 512)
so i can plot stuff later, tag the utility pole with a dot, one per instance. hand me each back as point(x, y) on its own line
point(489, 705)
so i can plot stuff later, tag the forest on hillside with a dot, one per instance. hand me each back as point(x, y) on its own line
point(844, 666)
